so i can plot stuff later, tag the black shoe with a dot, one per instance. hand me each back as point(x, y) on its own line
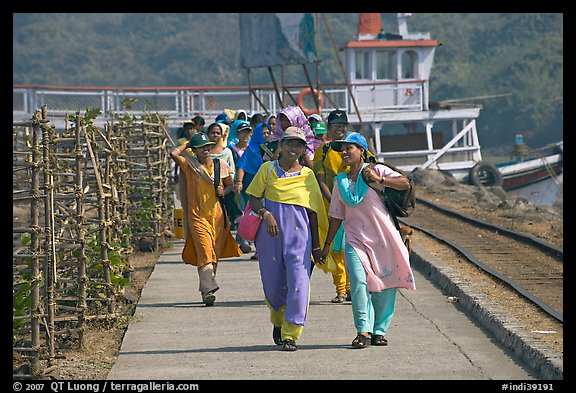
point(378, 340)
point(277, 335)
point(360, 341)
point(245, 247)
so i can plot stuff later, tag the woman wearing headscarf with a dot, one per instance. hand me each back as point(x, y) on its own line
point(292, 116)
point(241, 115)
point(232, 135)
point(250, 162)
point(271, 120)
point(288, 199)
point(214, 133)
point(224, 122)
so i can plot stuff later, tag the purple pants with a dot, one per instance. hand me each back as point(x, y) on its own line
point(285, 261)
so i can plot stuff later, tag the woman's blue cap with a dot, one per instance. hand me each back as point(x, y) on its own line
point(350, 137)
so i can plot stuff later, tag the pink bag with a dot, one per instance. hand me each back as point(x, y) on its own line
point(249, 224)
point(250, 221)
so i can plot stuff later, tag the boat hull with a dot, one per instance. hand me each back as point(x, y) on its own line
point(525, 178)
point(543, 192)
point(538, 180)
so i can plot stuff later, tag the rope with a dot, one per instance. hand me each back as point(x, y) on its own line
point(537, 154)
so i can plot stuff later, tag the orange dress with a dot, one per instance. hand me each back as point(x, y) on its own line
point(208, 236)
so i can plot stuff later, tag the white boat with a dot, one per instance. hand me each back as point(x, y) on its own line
point(536, 176)
point(389, 75)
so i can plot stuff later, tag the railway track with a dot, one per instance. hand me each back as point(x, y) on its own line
point(528, 266)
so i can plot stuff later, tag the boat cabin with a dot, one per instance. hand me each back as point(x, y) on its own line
point(388, 74)
point(389, 71)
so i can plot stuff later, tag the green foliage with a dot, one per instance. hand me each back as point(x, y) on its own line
point(25, 239)
point(20, 306)
point(127, 103)
point(481, 54)
point(144, 215)
point(87, 119)
point(118, 264)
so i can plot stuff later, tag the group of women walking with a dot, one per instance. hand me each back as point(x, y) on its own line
point(315, 211)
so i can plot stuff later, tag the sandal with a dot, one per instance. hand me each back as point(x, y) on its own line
point(360, 341)
point(379, 340)
point(340, 298)
point(289, 345)
point(277, 335)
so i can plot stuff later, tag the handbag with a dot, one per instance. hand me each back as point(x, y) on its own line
point(249, 224)
point(250, 221)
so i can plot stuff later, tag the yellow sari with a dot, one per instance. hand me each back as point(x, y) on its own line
point(208, 236)
point(302, 190)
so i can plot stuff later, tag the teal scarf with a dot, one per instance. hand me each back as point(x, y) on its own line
point(349, 197)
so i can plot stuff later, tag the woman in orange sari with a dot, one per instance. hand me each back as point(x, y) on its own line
point(208, 236)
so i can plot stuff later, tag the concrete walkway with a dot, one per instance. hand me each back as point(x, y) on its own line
point(173, 336)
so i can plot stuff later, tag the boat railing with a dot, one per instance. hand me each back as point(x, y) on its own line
point(369, 105)
point(457, 154)
point(181, 103)
point(458, 137)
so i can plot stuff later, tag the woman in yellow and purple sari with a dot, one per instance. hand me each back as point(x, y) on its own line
point(287, 197)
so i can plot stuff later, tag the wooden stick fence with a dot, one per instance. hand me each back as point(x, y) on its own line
point(89, 196)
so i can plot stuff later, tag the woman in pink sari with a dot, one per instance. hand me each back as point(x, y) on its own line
point(376, 258)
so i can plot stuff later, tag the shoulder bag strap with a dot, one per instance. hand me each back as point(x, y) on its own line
point(216, 184)
point(381, 193)
point(325, 148)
